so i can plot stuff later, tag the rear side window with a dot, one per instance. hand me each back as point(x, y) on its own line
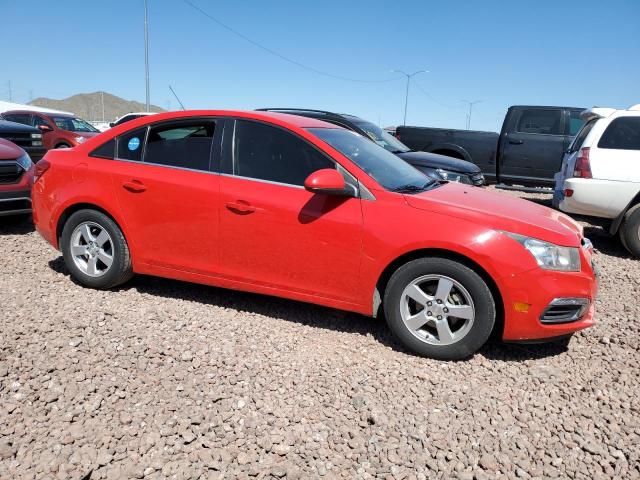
point(106, 150)
point(130, 145)
point(622, 134)
point(269, 153)
point(540, 121)
point(181, 144)
point(23, 118)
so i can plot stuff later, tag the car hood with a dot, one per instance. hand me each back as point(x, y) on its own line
point(433, 160)
point(9, 150)
point(6, 126)
point(499, 211)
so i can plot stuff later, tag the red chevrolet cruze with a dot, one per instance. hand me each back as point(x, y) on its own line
point(298, 208)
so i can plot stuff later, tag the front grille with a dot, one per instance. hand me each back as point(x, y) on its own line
point(477, 179)
point(15, 205)
point(20, 139)
point(564, 310)
point(10, 172)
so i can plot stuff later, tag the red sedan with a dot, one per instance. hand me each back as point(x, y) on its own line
point(299, 208)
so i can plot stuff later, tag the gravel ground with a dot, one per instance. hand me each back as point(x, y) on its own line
point(162, 379)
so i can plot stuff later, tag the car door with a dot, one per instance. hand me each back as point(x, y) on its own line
point(532, 150)
point(167, 188)
point(275, 233)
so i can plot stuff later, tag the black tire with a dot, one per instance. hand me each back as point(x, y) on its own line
point(630, 231)
point(120, 270)
point(62, 145)
point(483, 303)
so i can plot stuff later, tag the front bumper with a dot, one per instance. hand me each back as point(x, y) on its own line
point(15, 202)
point(538, 289)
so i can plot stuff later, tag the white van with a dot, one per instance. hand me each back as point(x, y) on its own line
point(600, 173)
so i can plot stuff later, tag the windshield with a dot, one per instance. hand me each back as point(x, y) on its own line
point(382, 137)
point(390, 171)
point(71, 124)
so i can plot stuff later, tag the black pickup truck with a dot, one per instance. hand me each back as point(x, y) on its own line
point(526, 153)
point(26, 137)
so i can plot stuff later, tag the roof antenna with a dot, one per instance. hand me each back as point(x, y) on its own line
point(174, 94)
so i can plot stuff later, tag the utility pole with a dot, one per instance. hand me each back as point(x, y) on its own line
point(146, 53)
point(102, 100)
point(174, 94)
point(406, 95)
point(471, 104)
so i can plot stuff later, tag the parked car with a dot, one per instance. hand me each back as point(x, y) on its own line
point(307, 210)
point(600, 174)
point(58, 130)
point(128, 117)
point(16, 178)
point(436, 166)
point(526, 153)
point(27, 138)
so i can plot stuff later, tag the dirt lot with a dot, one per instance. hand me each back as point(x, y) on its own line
point(166, 379)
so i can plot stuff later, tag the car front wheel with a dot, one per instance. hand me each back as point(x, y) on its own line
point(439, 308)
point(630, 231)
point(95, 250)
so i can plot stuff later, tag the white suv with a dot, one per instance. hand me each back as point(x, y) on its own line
point(600, 173)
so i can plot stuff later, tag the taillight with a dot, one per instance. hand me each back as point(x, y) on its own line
point(41, 167)
point(583, 167)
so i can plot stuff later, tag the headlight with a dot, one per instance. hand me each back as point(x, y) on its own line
point(548, 255)
point(25, 162)
point(450, 176)
point(36, 135)
point(79, 139)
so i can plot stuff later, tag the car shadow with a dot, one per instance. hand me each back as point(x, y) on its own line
point(19, 225)
point(605, 243)
point(307, 314)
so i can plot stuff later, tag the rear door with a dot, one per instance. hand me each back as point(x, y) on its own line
point(532, 149)
point(167, 188)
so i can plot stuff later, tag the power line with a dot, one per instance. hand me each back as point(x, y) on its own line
point(279, 55)
point(432, 98)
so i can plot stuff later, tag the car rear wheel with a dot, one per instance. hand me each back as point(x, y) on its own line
point(95, 250)
point(439, 308)
point(63, 145)
point(630, 231)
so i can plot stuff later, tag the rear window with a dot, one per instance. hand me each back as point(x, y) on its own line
point(582, 135)
point(540, 121)
point(575, 122)
point(622, 134)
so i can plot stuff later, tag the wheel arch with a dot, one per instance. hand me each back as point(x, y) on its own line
point(75, 207)
point(450, 150)
point(406, 257)
point(631, 206)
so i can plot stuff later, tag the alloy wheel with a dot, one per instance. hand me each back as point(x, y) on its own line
point(437, 309)
point(92, 249)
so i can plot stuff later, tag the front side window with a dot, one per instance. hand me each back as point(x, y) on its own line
point(384, 167)
point(269, 153)
point(131, 144)
point(623, 133)
point(185, 144)
point(71, 124)
point(38, 121)
point(540, 121)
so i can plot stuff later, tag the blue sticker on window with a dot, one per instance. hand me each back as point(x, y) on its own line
point(134, 143)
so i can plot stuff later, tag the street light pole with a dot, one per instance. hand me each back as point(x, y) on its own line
point(146, 53)
point(471, 104)
point(406, 95)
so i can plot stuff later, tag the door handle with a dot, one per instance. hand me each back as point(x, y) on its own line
point(516, 142)
point(135, 186)
point(241, 207)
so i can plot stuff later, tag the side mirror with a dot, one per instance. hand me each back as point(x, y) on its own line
point(45, 128)
point(327, 181)
point(112, 124)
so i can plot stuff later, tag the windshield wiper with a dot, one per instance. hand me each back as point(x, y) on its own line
point(411, 188)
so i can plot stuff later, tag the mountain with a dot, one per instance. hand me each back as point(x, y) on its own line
point(89, 105)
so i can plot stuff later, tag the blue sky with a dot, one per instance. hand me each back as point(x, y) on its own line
point(576, 53)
